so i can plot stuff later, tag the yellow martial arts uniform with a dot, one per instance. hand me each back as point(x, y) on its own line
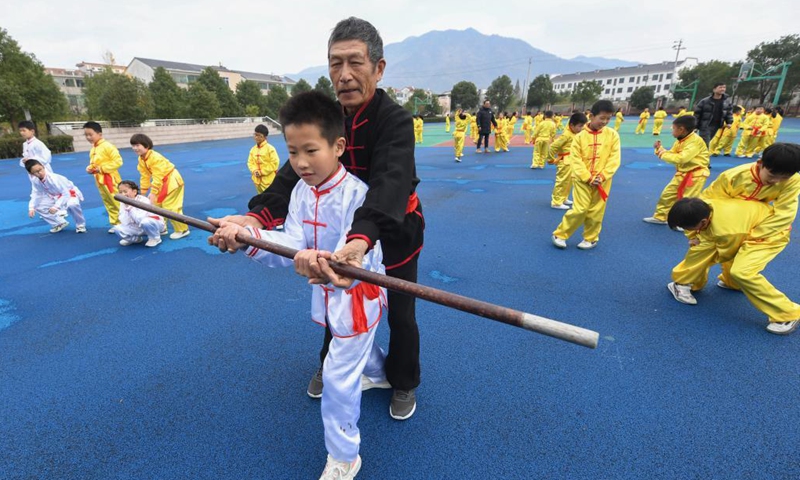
point(459, 133)
point(619, 119)
point(447, 123)
point(419, 126)
point(527, 128)
point(557, 119)
point(510, 124)
point(105, 159)
point(538, 119)
point(164, 181)
point(772, 133)
point(658, 121)
point(500, 135)
point(263, 162)
point(681, 113)
point(543, 134)
point(474, 134)
point(559, 156)
point(730, 239)
point(642, 125)
point(723, 140)
point(753, 128)
point(593, 154)
point(690, 157)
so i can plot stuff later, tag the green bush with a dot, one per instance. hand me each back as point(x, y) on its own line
point(11, 145)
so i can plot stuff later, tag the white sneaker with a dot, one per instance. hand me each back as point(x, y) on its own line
point(179, 235)
point(458, 159)
point(152, 242)
point(336, 470)
point(125, 242)
point(587, 245)
point(80, 229)
point(568, 202)
point(783, 328)
point(563, 206)
point(59, 227)
point(111, 230)
point(654, 221)
point(279, 228)
point(367, 384)
point(559, 242)
point(682, 293)
point(722, 284)
point(678, 229)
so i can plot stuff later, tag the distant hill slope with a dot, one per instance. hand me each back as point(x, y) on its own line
point(438, 60)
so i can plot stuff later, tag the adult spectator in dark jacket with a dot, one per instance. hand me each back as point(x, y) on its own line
point(485, 120)
point(713, 112)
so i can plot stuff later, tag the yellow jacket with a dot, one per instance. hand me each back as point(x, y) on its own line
point(620, 118)
point(418, 124)
point(538, 118)
point(756, 125)
point(461, 127)
point(263, 159)
point(105, 158)
point(595, 153)
point(527, 121)
point(154, 165)
point(687, 154)
point(560, 148)
point(545, 130)
point(734, 128)
point(776, 124)
point(743, 182)
point(732, 222)
point(644, 116)
point(660, 115)
point(681, 113)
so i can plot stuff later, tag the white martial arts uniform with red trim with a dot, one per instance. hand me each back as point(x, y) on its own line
point(320, 218)
point(59, 192)
point(135, 222)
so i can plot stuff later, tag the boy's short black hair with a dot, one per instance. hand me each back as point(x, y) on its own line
point(578, 118)
point(94, 126)
point(142, 139)
point(687, 213)
point(602, 106)
point(719, 84)
point(29, 164)
point(548, 114)
point(314, 108)
point(130, 184)
point(781, 158)
point(27, 124)
point(263, 130)
point(686, 121)
point(737, 109)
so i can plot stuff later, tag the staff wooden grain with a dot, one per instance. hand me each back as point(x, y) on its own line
point(516, 318)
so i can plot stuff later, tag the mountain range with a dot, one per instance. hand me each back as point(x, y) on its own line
point(438, 60)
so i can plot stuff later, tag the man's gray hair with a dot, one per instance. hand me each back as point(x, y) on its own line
point(357, 29)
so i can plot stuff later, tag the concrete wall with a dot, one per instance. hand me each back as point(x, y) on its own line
point(174, 134)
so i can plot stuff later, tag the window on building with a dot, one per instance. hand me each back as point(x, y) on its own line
point(661, 77)
point(658, 88)
point(630, 89)
point(79, 83)
point(619, 90)
point(608, 91)
point(632, 79)
point(669, 75)
point(193, 78)
point(569, 85)
point(622, 80)
point(644, 78)
point(637, 79)
point(608, 82)
point(69, 82)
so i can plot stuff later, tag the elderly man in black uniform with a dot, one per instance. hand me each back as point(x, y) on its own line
point(380, 151)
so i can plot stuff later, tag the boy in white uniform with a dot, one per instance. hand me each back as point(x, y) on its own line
point(135, 223)
point(52, 197)
point(320, 215)
point(33, 148)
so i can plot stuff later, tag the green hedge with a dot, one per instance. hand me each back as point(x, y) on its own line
point(11, 145)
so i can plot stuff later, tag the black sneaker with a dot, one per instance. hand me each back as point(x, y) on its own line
point(315, 385)
point(404, 404)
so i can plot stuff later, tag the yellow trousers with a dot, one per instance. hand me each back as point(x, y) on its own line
point(500, 142)
point(540, 149)
point(528, 135)
point(174, 203)
point(617, 125)
point(587, 211)
point(657, 124)
point(458, 143)
point(473, 135)
point(742, 273)
point(640, 127)
point(107, 195)
point(745, 145)
point(670, 193)
point(417, 136)
point(562, 185)
point(722, 142)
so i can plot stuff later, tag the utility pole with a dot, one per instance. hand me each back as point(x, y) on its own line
point(677, 46)
point(526, 86)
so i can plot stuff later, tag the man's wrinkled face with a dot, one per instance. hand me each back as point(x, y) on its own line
point(355, 78)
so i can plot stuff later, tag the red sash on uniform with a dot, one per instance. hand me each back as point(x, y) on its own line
point(359, 292)
point(162, 194)
point(108, 182)
point(602, 192)
point(688, 181)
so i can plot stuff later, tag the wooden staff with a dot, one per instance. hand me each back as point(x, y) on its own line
point(516, 318)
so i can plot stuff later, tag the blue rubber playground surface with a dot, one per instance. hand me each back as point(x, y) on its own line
point(181, 362)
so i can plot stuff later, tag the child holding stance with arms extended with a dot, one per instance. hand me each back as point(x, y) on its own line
point(689, 154)
point(135, 223)
point(263, 161)
point(320, 215)
point(559, 155)
point(52, 197)
point(104, 164)
point(594, 158)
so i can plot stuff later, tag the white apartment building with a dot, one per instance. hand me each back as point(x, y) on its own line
point(619, 83)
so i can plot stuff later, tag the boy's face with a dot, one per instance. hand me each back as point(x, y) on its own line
point(600, 120)
point(577, 127)
point(92, 136)
point(27, 134)
point(38, 171)
point(127, 191)
point(259, 137)
point(311, 156)
point(769, 178)
point(678, 131)
point(704, 223)
point(140, 150)
point(759, 111)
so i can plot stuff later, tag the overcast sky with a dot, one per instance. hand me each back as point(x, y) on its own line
point(287, 36)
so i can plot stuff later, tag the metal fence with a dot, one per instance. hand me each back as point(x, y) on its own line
point(64, 127)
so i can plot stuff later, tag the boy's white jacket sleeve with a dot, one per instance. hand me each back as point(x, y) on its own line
point(291, 236)
point(63, 186)
point(36, 193)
